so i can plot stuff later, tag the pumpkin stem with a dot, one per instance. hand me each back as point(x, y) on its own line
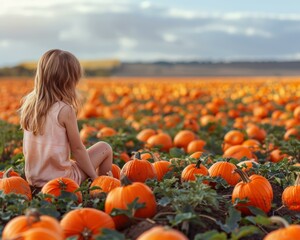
point(32, 216)
point(137, 155)
point(86, 234)
point(279, 220)
point(297, 182)
point(198, 164)
point(62, 184)
point(6, 174)
point(125, 181)
point(155, 158)
point(109, 173)
point(243, 175)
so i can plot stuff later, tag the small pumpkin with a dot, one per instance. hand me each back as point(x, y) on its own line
point(115, 169)
point(247, 165)
point(238, 152)
point(256, 189)
point(291, 196)
point(11, 173)
point(85, 223)
point(162, 167)
point(183, 138)
point(106, 183)
point(32, 219)
point(14, 184)
point(138, 170)
point(57, 185)
point(190, 171)
point(160, 232)
point(224, 170)
point(120, 197)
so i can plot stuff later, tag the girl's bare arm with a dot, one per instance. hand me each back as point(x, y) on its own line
point(67, 118)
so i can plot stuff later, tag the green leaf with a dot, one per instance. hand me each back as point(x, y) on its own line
point(261, 220)
point(232, 221)
point(130, 211)
point(182, 217)
point(164, 201)
point(211, 235)
point(176, 152)
point(244, 231)
point(110, 234)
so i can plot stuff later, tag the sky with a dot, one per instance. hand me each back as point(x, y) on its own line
point(152, 30)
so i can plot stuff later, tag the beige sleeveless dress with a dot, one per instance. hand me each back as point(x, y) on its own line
point(47, 156)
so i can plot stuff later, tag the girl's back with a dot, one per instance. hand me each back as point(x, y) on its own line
point(48, 155)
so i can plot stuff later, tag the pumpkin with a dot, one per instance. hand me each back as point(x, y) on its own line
point(115, 169)
point(55, 186)
point(162, 167)
point(11, 173)
point(196, 146)
point(160, 140)
point(238, 152)
point(14, 184)
point(256, 189)
point(106, 132)
point(291, 197)
point(138, 170)
point(224, 170)
point(165, 233)
point(120, 197)
point(190, 171)
point(247, 165)
point(106, 183)
point(145, 134)
point(39, 233)
point(234, 137)
point(183, 138)
point(32, 219)
point(288, 232)
point(86, 132)
point(85, 223)
point(199, 155)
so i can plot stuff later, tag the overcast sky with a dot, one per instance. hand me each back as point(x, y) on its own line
point(132, 30)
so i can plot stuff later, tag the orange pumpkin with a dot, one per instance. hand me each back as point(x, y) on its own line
point(55, 186)
point(145, 134)
point(161, 167)
point(106, 132)
point(165, 233)
point(115, 169)
point(11, 173)
point(32, 219)
point(234, 137)
point(238, 152)
point(160, 140)
point(190, 171)
point(106, 183)
point(138, 170)
point(14, 184)
point(120, 197)
point(39, 233)
point(290, 196)
point(256, 189)
point(288, 232)
point(247, 165)
point(224, 170)
point(183, 138)
point(85, 223)
point(196, 146)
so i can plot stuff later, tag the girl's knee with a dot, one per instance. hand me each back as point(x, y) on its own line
point(105, 147)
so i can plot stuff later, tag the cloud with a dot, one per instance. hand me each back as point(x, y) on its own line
point(146, 30)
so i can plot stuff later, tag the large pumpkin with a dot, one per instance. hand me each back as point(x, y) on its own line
point(57, 185)
point(14, 184)
point(85, 223)
point(39, 233)
point(32, 219)
point(138, 170)
point(256, 189)
point(120, 197)
point(288, 232)
point(164, 233)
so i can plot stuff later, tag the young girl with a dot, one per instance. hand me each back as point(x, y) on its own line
point(48, 118)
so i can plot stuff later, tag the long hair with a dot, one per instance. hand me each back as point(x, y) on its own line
point(57, 75)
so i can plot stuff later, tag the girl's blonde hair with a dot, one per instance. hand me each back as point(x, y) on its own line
point(57, 75)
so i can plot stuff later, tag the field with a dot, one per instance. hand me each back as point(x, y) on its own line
point(202, 138)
